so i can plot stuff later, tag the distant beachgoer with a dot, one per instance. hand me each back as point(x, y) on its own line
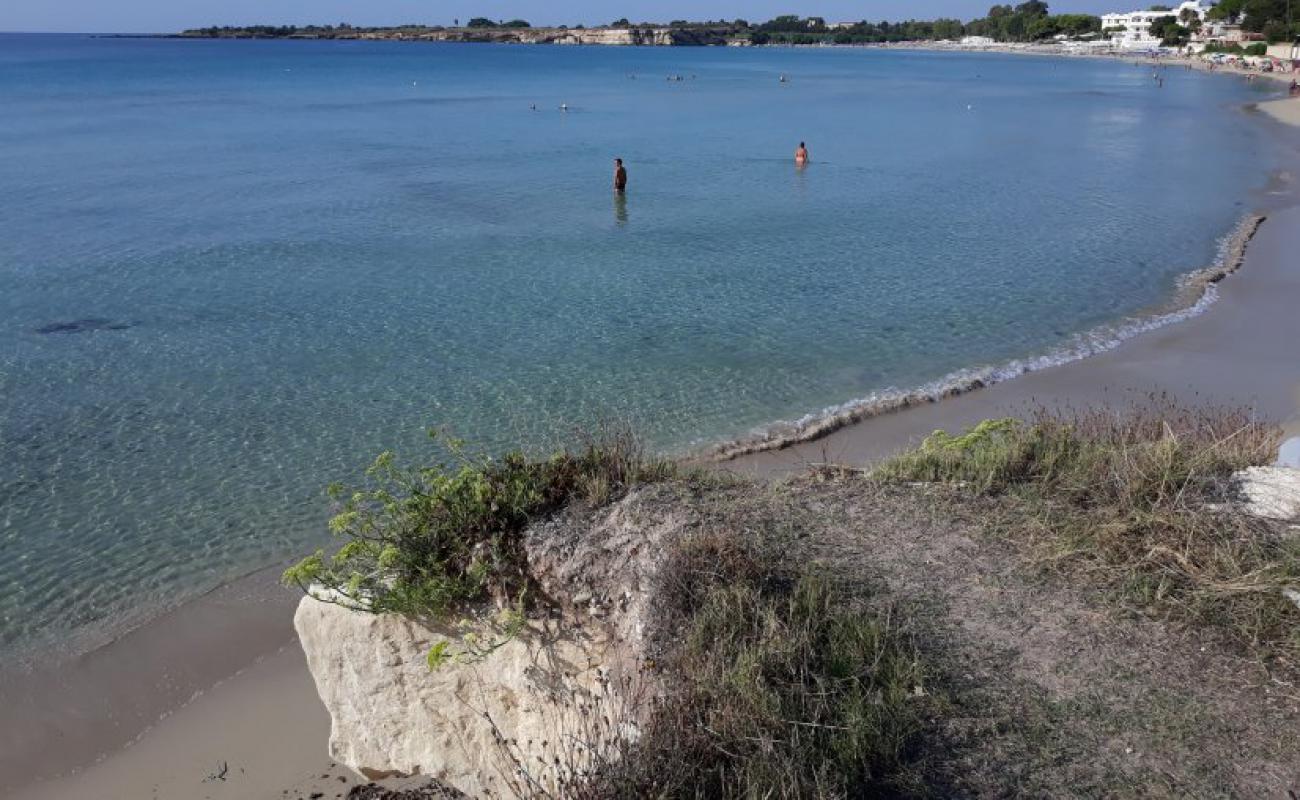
point(801, 154)
point(620, 176)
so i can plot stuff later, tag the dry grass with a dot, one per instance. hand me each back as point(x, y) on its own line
point(1136, 499)
point(774, 684)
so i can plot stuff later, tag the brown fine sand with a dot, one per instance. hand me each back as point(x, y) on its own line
point(214, 701)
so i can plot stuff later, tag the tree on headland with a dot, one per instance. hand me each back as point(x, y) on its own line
point(1007, 24)
point(1272, 18)
point(1169, 32)
point(1029, 21)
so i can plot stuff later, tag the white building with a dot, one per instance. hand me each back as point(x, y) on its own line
point(1132, 31)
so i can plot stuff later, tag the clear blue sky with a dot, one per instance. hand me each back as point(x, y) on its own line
point(143, 16)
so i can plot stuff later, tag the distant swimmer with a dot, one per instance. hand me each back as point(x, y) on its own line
point(801, 156)
point(620, 176)
point(783, 79)
point(564, 107)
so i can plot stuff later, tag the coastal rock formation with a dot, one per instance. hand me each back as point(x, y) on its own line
point(392, 714)
point(87, 325)
point(474, 720)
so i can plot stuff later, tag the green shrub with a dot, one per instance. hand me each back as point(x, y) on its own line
point(428, 541)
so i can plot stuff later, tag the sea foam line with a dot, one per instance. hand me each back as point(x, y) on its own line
point(1197, 291)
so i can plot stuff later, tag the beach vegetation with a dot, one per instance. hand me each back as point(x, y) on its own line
point(780, 684)
point(1233, 48)
point(1222, 47)
point(431, 540)
point(1139, 500)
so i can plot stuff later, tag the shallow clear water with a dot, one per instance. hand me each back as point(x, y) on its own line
point(231, 272)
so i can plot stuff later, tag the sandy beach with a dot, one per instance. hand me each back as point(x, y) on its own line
point(1286, 110)
point(214, 700)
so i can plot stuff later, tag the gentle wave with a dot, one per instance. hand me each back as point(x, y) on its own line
point(1197, 291)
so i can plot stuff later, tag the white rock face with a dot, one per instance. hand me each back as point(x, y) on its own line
point(392, 715)
point(1271, 492)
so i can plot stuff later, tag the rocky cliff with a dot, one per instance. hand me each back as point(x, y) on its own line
point(519, 695)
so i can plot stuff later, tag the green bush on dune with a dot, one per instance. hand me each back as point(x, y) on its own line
point(429, 541)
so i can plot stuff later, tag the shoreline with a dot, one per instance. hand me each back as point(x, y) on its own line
point(1237, 353)
point(1196, 292)
point(228, 660)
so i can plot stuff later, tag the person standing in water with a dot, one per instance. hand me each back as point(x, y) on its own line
point(801, 155)
point(620, 176)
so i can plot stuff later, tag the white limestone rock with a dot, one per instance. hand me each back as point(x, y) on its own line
point(393, 715)
point(390, 714)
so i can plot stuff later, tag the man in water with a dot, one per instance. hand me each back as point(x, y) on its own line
point(620, 176)
point(801, 155)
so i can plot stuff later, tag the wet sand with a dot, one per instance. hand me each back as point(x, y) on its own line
point(222, 680)
point(251, 736)
point(82, 710)
point(1286, 110)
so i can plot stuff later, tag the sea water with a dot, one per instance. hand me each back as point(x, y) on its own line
point(233, 271)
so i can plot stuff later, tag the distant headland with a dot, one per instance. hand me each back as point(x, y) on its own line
point(1029, 22)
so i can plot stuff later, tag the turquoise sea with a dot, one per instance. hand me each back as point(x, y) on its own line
point(233, 271)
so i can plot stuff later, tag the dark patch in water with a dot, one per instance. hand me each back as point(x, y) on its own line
point(84, 326)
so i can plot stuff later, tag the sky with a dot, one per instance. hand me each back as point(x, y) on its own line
point(167, 16)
